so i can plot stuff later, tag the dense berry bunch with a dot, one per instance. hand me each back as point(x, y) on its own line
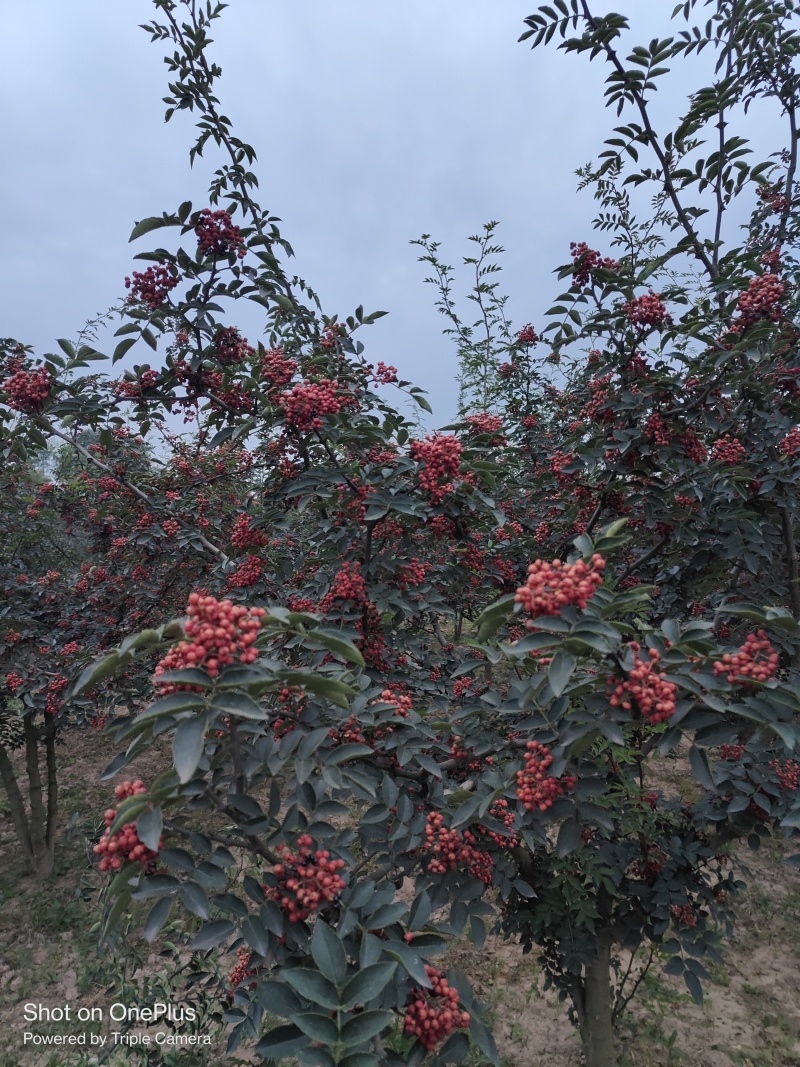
point(537, 789)
point(13, 681)
point(551, 586)
point(790, 445)
point(651, 866)
point(28, 389)
point(305, 881)
point(248, 573)
point(585, 261)
point(645, 689)
point(170, 527)
point(152, 286)
point(527, 336)
point(348, 584)
point(440, 455)
point(384, 373)
point(647, 310)
point(277, 369)
point(432, 1015)
point(656, 430)
point(244, 536)
point(220, 633)
point(230, 346)
point(731, 752)
point(787, 773)
point(309, 402)
point(693, 447)
point(755, 661)
point(449, 850)
point(728, 450)
point(217, 235)
point(761, 300)
point(124, 845)
point(241, 971)
point(685, 916)
point(491, 425)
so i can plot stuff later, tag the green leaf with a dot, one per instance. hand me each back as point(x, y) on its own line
point(157, 917)
point(195, 899)
point(339, 645)
point(146, 225)
point(211, 934)
point(698, 761)
point(365, 1026)
point(149, 826)
point(560, 671)
point(490, 621)
point(187, 746)
point(318, 1028)
point(367, 984)
point(328, 953)
point(569, 837)
point(313, 986)
point(280, 1042)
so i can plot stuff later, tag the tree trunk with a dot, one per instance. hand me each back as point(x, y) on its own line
point(597, 1033)
point(35, 830)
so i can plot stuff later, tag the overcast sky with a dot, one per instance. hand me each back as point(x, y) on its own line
point(373, 123)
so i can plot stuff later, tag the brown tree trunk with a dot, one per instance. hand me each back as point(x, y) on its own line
point(595, 1018)
point(35, 829)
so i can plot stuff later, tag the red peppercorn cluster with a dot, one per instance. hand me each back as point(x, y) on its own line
point(13, 681)
point(527, 336)
point(241, 971)
point(552, 586)
point(728, 450)
point(331, 335)
point(28, 389)
point(277, 369)
point(537, 789)
point(230, 346)
point(491, 425)
point(650, 868)
point(685, 916)
point(402, 702)
point(248, 573)
point(432, 1015)
point(656, 430)
point(220, 633)
point(731, 752)
point(693, 447)
point(217, 235)
point(244, 536)
point(440, 455)
point(170, 527)
point(647, 310)
point(309, 402)
point(384, 373)
point(790, 445)
point(348, 584)
point(774, 196)
point(501, 811)
point(585, 261)
point(755, 661)
point(413, 574)
point(305, 881)
point(124, 845)
point(449, 850)
point(787, 773)
point(761, 300)
point(57, 686)
point(151, 286)
point(645, 689)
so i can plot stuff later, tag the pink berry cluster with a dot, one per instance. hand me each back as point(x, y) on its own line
point(28, 389)
point(384, 373)
point(241, 971)
point(247, 573)
point(124, 845)
point(501, 810)
point(790, 445)
point(433, 1014)
point(244, 536)
point(152, 286)
point(440, 455)
point(761, 300)
point(220, 633)
point(585, 261)
point(756, 661)
point(552, 586)
point(657, 431)
point(305, 881)
point(491, 425)
point(645, 689)
point(170, 527)
point(277, 369)
point(307, 404)
point(728, 450)
point(647, 310)
point(537, 789)
point(787, 773)
point(217, 235)
point(449, 850)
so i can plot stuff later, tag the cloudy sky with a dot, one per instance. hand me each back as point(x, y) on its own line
point(373, 123)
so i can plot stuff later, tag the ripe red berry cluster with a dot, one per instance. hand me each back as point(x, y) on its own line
point(585, 261)
point(490, 425)
point(403, 703)
point(431, 1022)
point(551, 586)
point(248, 573)
point(645, 689)
point(527, 336)
point(692, 445)
point(787, 773)
point(650, 868)
point(220, 633)
point(537, 789)
point(151, 286)
point(348, 584)
point(647, 310)
point(501, 811)
point(728, 450)
point(755, 661)
point(790, 445)
point(244, 536)
point(28, 389)
point(216, 234)
point(170, 527)
point(13, 681)
point(731, 752)
point(241, 971)
point(384, 373)
point(449, 851)
point(230, 346)
point(656, 430)
point(761, 300)
point(440, 455)
point(124, 845)
point(309, 402)
point(685, 915)
point(277, 369)
point(305, 881)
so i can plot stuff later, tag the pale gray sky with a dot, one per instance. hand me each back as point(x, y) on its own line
point(373, 123)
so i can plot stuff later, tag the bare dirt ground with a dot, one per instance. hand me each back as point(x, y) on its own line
point(751, 1017)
